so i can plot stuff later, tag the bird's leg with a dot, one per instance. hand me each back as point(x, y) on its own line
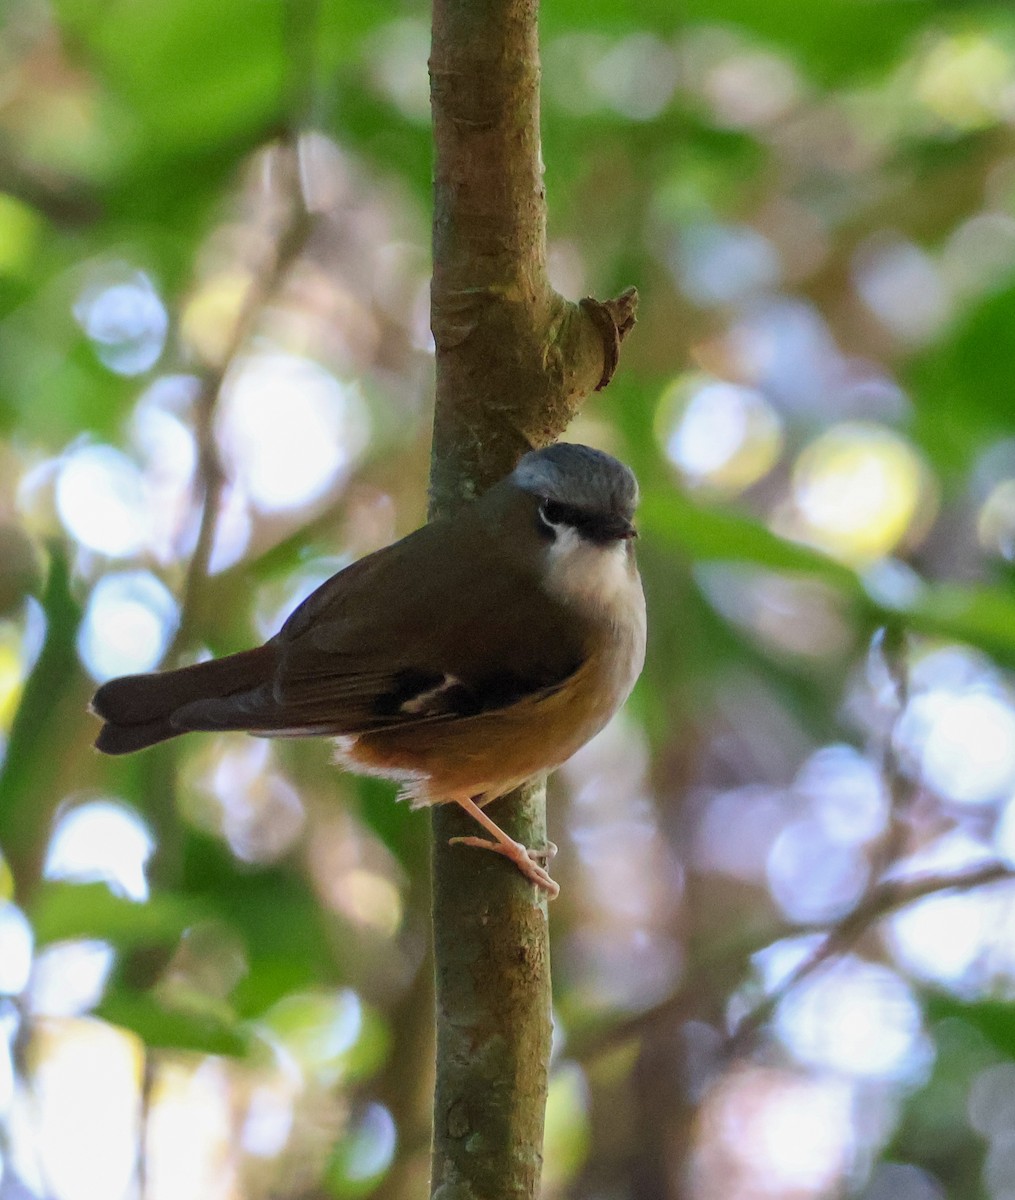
point(523, 858)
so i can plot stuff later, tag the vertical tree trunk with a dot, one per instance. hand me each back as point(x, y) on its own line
point(514, 361)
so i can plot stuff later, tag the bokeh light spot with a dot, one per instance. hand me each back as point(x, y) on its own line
point(122, 314)
point(209, 318)
point(398, 55)
point(964, 742)
point(189, 1132)
point(854, 1017)
point(365, 1153)
point(101, 841)
point(903, 287)
point(317, 1031)
point(944, 938)
point(16, 942)
point(102, 502)
point(805, 893)
point(568, 1132)
point(794, 1134)
point(859, 488)
point(239, 794)
point(719, 434)
point(128, 622)
point(845, 792)
point(86, 1084)
point(289, 429)
point(68, 978)
point(963, 79)
point(720, 264)
point(995, 524)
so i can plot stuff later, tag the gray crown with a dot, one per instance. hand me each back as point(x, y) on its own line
point(579, 476)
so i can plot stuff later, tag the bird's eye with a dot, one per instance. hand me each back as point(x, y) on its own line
point(553, 513)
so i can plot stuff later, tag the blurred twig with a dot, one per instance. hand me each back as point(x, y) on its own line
point(62, 199)
point(889, 653)
point(728, 968)
point(890, 647)
point(880, 902)
point(882, 897)
point(210, 483)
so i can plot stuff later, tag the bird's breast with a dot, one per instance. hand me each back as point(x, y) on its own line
point(601, 585)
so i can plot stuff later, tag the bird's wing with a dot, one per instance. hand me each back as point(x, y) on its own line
point(367, 651)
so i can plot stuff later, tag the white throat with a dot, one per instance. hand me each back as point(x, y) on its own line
point(596, 578)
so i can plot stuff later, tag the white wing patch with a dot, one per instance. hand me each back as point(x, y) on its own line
point(429, 701)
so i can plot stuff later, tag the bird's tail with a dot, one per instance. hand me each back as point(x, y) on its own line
point(140, 710)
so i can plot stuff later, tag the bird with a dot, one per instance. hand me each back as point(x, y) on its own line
point(479, 651)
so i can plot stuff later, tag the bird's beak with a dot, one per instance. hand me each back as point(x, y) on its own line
point(626, 530)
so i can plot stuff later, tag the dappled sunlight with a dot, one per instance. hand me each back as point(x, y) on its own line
point(120, 311)
point(216, 386)
point(857, 1018)
point(860, 490)
point(767, 1132)
point(719, 435)
point(189, 1149)
point(85, 1100)
point(101, 840)
point(236, 791)
point(127, 626)
point(289, 430)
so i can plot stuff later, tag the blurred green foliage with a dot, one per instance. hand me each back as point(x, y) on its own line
point(817, 204)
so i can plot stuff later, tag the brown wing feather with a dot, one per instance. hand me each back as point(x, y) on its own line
point(366, 643)
point(411, 635)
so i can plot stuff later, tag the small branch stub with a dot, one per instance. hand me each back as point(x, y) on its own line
point(614, 319)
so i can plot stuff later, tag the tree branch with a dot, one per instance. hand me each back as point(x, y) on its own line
point(514, 362)
point(727, 969)
point(514, 359)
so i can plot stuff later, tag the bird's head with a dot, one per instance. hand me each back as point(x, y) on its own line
point(581, 490)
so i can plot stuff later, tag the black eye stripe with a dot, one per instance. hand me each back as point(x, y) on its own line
point(555, 513)
point(599, 527)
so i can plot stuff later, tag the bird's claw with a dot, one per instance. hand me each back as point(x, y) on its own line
point(522, 857)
